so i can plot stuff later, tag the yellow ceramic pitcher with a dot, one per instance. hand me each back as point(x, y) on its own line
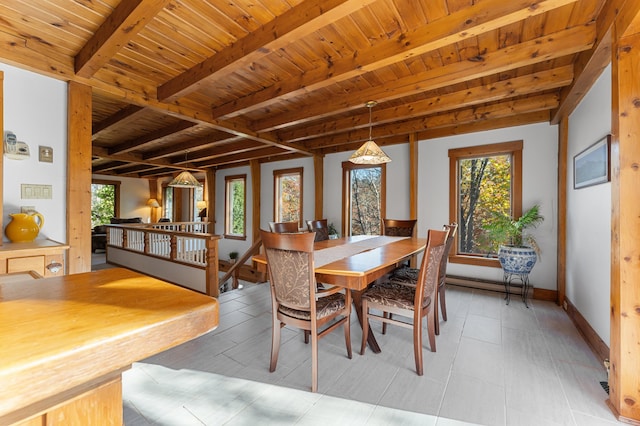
point(23, 227)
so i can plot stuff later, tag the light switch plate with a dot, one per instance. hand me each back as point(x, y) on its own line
point(36, 192)
point(45, 154)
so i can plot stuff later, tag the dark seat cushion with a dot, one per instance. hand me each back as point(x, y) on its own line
point(121, 220)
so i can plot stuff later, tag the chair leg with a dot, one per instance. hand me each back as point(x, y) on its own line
point(347, 335)
point(314, 362)
point(384, 324)
point(436, 315)
point(275, 343)
point(365, 326)
point(417, 346)
point(306, 336)
point(443, 302)
point(431, 330)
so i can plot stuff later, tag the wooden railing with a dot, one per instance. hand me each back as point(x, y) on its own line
point(169, 252)
point(235, 268)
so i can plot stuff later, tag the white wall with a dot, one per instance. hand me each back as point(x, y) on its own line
point(589, 215)
point(35, 110)
point(539, 186)
point(134, 194)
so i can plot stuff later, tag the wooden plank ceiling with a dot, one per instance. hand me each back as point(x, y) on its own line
point(210, 83)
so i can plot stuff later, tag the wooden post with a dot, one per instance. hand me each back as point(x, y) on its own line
point(318, 171)
point(79, 178)
point(624, 377)
point(255, 190)
point(210, 198)
point(212, 271)
point(563, 142)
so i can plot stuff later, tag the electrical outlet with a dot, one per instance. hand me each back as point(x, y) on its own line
point(564, 305)
point(27, 209)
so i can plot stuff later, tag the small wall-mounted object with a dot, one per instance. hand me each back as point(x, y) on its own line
point(15, 149)
point(45, 154)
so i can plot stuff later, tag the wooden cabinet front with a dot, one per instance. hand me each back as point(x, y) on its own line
point(46, 257)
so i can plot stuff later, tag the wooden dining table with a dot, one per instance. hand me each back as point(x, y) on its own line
point(357, 261)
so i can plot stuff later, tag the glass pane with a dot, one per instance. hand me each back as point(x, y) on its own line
point(168, 203)
point(484, 189)
point(366, 187)
point(288, 198)
point(235, 221)
point(198, 195)
point(102, 203)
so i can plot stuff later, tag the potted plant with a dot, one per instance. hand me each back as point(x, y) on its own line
point(233, 256)
point(518, 250)
point(333, 232)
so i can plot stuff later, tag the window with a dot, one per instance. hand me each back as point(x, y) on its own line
point(167, 202)
point(235, 207)
point(364, 198)
point(198, 195)
point(105, 201)
point(483, 180)
point(287, 193)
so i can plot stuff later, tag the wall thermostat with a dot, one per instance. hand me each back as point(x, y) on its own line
point(15, 149)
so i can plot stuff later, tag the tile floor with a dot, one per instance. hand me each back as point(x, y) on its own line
point(494, 365)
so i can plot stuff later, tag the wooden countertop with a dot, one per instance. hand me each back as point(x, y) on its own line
point(35, 245)
point(62, 332)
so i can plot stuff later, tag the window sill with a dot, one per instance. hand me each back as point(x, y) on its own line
point(475, 260)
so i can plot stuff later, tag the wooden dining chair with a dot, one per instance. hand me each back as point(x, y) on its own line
point(398, 228)
point(320, 227)
point(409, 276)
point(295, 299)
point(413, 303)
point(284, 227)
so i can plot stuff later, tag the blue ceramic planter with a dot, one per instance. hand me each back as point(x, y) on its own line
point(517, 260)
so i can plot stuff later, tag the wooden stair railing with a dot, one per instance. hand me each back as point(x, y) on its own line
point(235, 268)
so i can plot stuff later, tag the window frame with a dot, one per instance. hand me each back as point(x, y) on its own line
point(227, 182)
point(347, 167)
point(277, 174)
point(514, 149)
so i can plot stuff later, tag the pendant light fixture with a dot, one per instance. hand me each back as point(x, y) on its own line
point(185, 179)
point(369, 152)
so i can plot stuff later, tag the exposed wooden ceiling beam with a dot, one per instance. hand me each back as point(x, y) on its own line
point(538, 50)
point(242, 157)
point(498, 123)
point(224, 149)
point(296, 23)
point(131, 158)
point(466, 115)
point(139, 143)
point(500, 90)
point(467, 23)
point(215, 139)
point(19, 51)
point(126, 114)
point(590, 64)
point(127, 19)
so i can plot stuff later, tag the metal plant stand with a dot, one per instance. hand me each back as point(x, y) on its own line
point(508, 278)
